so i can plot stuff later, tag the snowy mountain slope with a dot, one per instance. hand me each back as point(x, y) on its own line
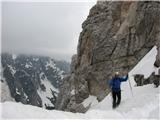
point(48, 93)
point(143, 104)
point(32, 79)
point(144, 67)
point(5, 92)
point(130, 103)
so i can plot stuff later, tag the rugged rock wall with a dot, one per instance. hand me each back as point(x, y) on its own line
point(115, 36)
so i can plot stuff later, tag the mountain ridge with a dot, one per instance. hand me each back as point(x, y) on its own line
point(33, 79)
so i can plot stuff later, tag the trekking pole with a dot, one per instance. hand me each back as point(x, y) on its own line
point(130, 85)
point(129, 38)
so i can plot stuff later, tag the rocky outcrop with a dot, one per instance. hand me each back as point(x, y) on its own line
point(157, 62)
point(115, 37)
point(140, 80)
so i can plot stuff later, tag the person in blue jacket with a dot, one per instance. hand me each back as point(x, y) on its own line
point(115, 85)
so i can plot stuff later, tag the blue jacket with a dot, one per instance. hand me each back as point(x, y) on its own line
point(115, 83)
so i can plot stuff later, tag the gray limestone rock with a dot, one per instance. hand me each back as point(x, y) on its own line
point(157, 62)
point(153, 78)
point(115, 37)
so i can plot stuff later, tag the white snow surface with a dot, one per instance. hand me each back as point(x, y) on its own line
point(13, 71)
point(146, 65)
point(73, 92)
point(28, 66)
point(90, 101)
point(14, 56)
point(5, 92)
point(51, 64)
point(4, 89)
point(143, 104)
point(47, 93)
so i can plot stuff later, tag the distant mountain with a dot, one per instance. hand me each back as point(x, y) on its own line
point(32, 79)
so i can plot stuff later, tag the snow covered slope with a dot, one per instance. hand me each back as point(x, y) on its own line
point(146, 65)
point(5, 92)
point(48, 93)
point(145, 104)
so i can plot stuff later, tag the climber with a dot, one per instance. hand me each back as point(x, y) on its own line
point(115, 84)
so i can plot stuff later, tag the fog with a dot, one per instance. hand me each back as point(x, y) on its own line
point(43, 28)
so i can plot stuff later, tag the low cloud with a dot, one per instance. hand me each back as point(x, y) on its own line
point(43, 28)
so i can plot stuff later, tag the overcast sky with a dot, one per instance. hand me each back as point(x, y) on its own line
point(43, 28)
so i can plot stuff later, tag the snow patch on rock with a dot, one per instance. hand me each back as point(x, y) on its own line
point(91, 100)
point(47, 93)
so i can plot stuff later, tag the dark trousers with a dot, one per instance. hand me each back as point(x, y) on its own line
point(116, 96)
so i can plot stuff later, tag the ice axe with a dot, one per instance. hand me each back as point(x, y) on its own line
point(130, 86)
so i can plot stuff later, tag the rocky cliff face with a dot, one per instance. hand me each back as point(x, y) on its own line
point(157, 62)
point(32, 79)
point(115, 37)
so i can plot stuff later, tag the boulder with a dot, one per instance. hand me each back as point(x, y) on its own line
point(153, 78)
point(157, 62)
point(139, 79)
